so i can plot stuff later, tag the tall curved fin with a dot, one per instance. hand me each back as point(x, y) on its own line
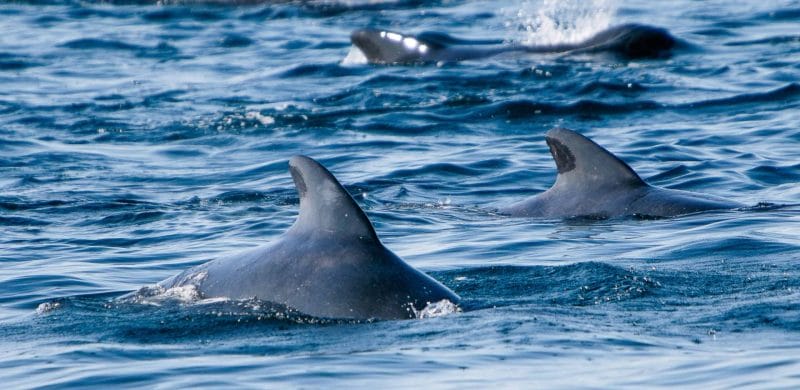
point(584, 165)
point(325, 206)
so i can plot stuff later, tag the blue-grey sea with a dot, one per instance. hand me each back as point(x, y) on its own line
point(138, 139)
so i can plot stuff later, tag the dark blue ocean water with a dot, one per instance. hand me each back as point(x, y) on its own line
point(137, 140)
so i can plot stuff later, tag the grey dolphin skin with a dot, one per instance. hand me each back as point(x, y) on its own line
point(329, 264)
point(592, 182)
point(387, 47)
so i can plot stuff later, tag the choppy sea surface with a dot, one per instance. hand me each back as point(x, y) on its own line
point(140, 139)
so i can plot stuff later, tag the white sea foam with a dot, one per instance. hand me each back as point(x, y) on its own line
point(265, 120)
point(437, 309)
point(47, 307)
point(354, 57)
point(547, 22)
point(186, 292)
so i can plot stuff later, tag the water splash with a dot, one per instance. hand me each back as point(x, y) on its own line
point(354, 57)
point(48, 307)
point(436, 309)
point(546, 22)
point(185, 292)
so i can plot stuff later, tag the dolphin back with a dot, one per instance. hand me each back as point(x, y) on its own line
point(630, 40)
point(329, 264)
point(389, 47)
point(592, 182)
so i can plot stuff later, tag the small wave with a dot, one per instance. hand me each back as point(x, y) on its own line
point(7, 107)
point(90, 12)
point(775, 312)
point(161, 50)
point(92, 44)
point(20, 221)
point(590, 108)
point(786, 92)
point(320, 70)
point(579, 284)
point(732, 247)
point(19, 204)
point(131, 218)
point(773, 175)
point(14, 62)
point(602, 86)
point(236, 40)
point(520, 109)
point(166, 14)
point(715, 32)
point(776, 40)
point(446, 169)
point(240, 196)
point(790, 14)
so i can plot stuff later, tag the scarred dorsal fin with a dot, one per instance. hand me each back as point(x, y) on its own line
point(325, 206)
point(583, 164)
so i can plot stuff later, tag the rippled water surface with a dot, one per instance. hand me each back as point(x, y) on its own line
point(137, 140)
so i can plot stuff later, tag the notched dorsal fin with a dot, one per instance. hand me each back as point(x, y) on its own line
point(325, 206)
point(581, 162)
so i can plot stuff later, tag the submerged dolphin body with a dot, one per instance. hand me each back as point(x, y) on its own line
point(386, 47)
point(592, 182)
point(329, 264)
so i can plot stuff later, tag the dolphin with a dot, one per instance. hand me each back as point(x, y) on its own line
point(386, 47)
point(592, 182)
point(329, 264)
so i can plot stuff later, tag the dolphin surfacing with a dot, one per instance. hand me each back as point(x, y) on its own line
point(592, 182)
point(329, 264)
point(630, 41)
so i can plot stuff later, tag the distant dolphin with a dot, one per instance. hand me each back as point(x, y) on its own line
point(386, 47)
point(592, 182)
point(329, 264)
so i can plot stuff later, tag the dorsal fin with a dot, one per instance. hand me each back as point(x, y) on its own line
point(325, 206)
point(583, 164)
